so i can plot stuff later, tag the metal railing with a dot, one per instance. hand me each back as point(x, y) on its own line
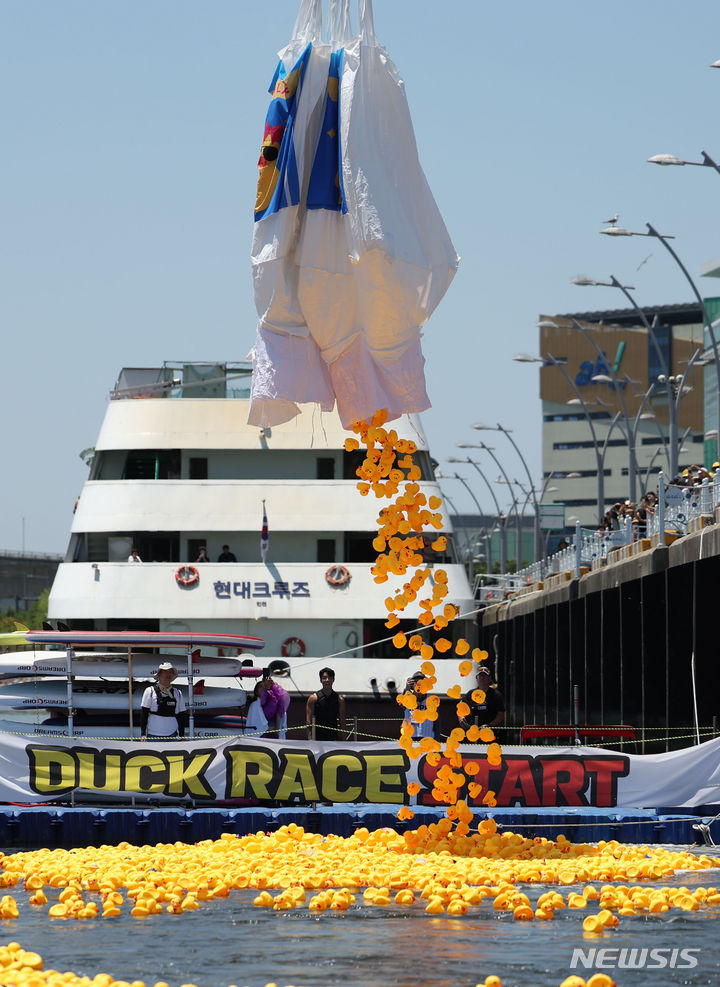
point(676, 508)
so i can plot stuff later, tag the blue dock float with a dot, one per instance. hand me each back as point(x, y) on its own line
point(32, 827)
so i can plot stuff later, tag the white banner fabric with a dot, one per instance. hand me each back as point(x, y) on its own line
point(36, 769)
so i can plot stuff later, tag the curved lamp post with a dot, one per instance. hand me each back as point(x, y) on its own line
point(507, 433)
point(468, 546)
point(502, 518)
point(663, 238)
point(549, 358)
point(673, 395)
point(670, 159)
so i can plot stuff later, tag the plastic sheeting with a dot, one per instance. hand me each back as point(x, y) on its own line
point(350, 254)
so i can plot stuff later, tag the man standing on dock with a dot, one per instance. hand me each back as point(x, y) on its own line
point(487, 706)
point(328, 709)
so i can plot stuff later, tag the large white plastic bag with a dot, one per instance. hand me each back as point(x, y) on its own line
point(371, 257)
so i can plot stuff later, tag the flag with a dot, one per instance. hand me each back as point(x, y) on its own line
point(264, 539)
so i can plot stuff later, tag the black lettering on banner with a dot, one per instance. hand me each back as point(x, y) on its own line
point(333, 776)
point(55, 770)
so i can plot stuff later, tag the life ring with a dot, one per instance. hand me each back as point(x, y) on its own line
point(351, 641)
point(187, 575)
point(337, 575)
point(293, 647)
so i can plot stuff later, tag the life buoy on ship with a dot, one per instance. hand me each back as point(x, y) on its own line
point(337, 575)
point(187, 575)
point(293, 647)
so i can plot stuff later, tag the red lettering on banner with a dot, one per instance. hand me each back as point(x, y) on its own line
point(604, 773)
point(563, 781)
point(546, 780)
point(518, 785)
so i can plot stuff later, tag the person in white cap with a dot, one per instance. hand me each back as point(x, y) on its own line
point(162, 712)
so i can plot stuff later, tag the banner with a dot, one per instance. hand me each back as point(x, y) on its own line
point(32, 769)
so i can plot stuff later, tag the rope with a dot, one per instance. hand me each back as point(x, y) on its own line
point(361, 647)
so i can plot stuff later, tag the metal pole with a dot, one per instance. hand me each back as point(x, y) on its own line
point(578, 549)
point(71, 715)
point(599, 460)
point(672, 407)
point(536, 527)
point(130, 693)
point(503, 559)
point(576, 712)
point(632, 462)
point(191, 709)
point(708, 322)
point(503, 545)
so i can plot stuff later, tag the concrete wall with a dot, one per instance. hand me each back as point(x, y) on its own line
point(23, 578)
point(625, 634)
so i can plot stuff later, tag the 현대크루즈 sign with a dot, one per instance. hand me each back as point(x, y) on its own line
point(204, 771)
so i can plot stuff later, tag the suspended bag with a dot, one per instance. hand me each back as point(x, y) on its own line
point(350, 254)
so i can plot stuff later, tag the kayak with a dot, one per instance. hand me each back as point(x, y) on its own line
point(105, 695)
point(108, 665)
point(111, 731)
point(144, 639)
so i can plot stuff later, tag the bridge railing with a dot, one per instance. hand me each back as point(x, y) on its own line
point(676, 509)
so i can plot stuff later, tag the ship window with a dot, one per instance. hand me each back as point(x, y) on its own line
point(325, 469)
point(326, 549)
point(359, 547)
point(198, 468)
point(152, 464)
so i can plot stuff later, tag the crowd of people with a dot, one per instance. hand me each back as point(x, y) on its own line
point(615, 518)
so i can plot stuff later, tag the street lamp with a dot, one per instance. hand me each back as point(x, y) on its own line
point(502, 518)
point(506, 478)
point(670, 160)
point(519, 514)
point(610, 378)
point(444, 476)
point(506, 432)
point(663, 238)
point(673, 398)
point(553, 361)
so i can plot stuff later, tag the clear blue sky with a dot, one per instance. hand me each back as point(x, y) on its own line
point(130, 135)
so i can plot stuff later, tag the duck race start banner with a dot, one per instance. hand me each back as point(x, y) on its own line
point(36, 769)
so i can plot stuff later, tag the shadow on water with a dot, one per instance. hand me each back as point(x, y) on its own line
point(232, 942)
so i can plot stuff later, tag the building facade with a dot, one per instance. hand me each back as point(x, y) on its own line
point(603, 395)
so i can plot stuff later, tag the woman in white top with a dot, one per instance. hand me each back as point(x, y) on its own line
point(162, 712)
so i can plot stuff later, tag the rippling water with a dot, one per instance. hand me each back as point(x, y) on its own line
point(232, 942)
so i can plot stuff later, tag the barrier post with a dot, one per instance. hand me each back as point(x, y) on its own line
point(312, 728)
point(355, 729)
point(578, 549)
point(576, 713)
point(661, 506)
point(191, 695)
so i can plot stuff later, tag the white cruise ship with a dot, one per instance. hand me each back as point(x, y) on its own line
point(176, 468)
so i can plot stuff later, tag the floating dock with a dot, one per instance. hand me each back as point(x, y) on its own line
point(31, 827)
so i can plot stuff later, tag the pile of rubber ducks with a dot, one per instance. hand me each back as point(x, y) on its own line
point(431, 863)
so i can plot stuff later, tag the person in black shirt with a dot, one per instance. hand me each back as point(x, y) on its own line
point(328, 708)
point(226, 555)
point(490, 712)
